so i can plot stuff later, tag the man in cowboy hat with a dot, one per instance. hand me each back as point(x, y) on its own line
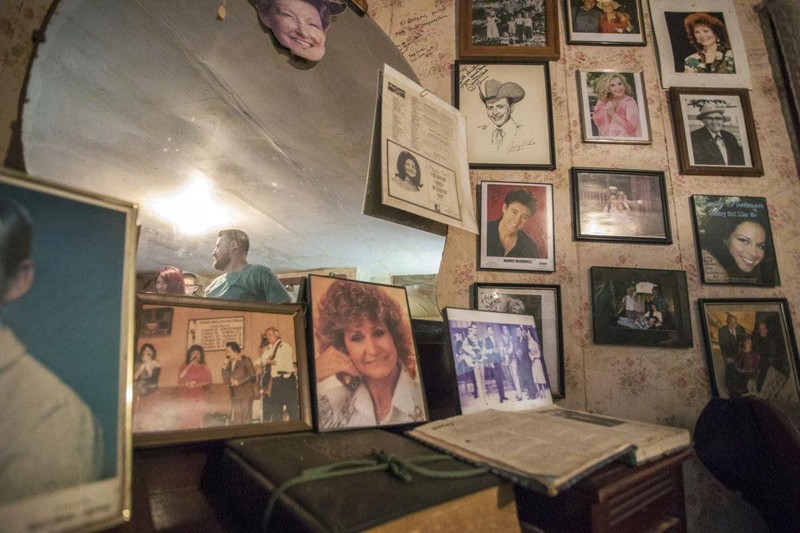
point(499, 99)
point(711, 145)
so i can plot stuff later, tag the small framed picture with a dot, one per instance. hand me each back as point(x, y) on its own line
point(613, 107)
point(366, 372)
point(508, 30)
point(699, 44)
point(509, 115)
point(516, 226)
point(544, 303)
point(223, 370)
point(610, 22)
point(640, 307)
point(751, 348)
point(734, 240)
point(715, 132)
point(67, 280)
point(498, 360)
point(620, 205)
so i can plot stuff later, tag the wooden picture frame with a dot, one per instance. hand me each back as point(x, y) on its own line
point(541, 301)
point(476, 341)
point(734, 240)
point(610, 117)
point(620, 206)
point(696, 113)
point(525, 210)
point(509, 114)
point(361, 335)
point(199, 387)
point(583, 24)
point(620, 297)
point(768, 369)
point(488, 31)
point(66, 339)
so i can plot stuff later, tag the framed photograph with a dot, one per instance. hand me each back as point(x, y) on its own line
point(508, 30)
point(366, 372)
point(498, 360)
point(734, 240)
point(225, 370)
point(613, 107)
point(640, 307)
point(699, 44)
point(516, 225)
point(614, 22)
point(67, 295)
point(509, 115)
point(620, 205)
point(543, 302)
point(751, 348)
point(714, 132)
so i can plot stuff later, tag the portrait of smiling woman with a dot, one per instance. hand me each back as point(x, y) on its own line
point(365, 360)
point(299, 25)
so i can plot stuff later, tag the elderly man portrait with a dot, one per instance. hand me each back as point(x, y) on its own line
point(711, 144)
point(241, 280)
point(505, 236)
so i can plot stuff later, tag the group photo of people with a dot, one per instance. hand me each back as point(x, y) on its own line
point(508, 23)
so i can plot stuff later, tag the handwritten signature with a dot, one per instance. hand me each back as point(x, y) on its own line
point(516, 147)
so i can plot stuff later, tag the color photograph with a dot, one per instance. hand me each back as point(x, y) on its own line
point(613, 107)
point(604, 22)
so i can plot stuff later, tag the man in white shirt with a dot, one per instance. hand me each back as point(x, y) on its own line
point(277, 359)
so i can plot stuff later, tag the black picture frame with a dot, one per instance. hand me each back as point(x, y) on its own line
point(543, 302)
point(734, 240)
point(613, 320)
point(773, 372)
point(524, 142)
point(632, 34)
point(613, 205)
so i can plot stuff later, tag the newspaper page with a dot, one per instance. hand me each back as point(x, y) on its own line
point(424, 167)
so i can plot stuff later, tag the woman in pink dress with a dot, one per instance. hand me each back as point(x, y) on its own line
point(194, 377)
point(616, 113)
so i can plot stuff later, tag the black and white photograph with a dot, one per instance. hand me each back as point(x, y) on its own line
point(734, 240)
point(509, 114)
point(699, 44)
point(613, 107)
point(620, 205)
point(498, 360)
point(640, 307)
point(543, 302)
point(516, 226)
point(523, 29)
point(751, 348)
point(604, 22)
point(715, 132)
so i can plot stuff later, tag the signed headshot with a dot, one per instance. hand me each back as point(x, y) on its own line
point(299, 25)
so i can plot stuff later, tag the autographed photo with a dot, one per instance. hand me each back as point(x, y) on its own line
point(516, 226)
point(613, 22)
point(509, 122)
point(613, 107)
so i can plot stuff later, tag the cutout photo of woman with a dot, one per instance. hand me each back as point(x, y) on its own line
point(299, 25)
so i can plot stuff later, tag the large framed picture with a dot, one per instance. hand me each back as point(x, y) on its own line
point(699, 44)
point(620, 205)
point(751, 348)
point(66, 293)
point(498, 360)
point(509, 115)
point(366, 372)
point(516, 226)
point(640, 307)
point(613, 107)
point(544, 303)
point(734, 240)
point(509, 30)
point(715, 132)
point(613, 22)
point(224, 370)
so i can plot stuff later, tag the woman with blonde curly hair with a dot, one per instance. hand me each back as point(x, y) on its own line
point(366, 369)
point(616, 113)
point(710, 38)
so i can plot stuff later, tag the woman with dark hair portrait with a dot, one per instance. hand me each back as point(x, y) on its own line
point(169, 280)
point(366, 370)
point(616, 113)
point(408, 171)
point(147, 369)
point(738, 250)
point(194, 377)
point(710, 38)
point(299, 25)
